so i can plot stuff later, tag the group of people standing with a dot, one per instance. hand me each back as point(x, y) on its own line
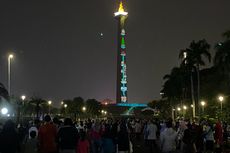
point(111, 136)
point(185, 137)
point(53, 136)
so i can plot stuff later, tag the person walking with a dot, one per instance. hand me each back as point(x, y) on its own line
point(47, 135)
point(123, 139)
point(151, 130)
point(31, 143)
point(138, 130)
point(107, 141)
point(168, 139)
point(83, 143)
point(218, 136)
point(67, 137)
point(95, 136)
point(9, 138)
point(209, 137)
point(189, 139)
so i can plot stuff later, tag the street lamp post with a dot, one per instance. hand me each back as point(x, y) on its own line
point(19, 105)
point(178, 109)
point(65, 106)
point(11, 56)
point(23, 97)
point(185, 108)
point(203, 103)
point(83, 110)
point(221, 99)
point(185, 55)
point(49, 103)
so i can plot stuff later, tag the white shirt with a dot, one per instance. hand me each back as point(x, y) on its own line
point(209, 134)
point(151, 130)
point(168, 140)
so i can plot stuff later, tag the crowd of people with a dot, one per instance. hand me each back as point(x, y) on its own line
point(112, 136)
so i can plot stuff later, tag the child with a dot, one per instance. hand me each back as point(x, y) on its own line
point(31, 144)
point(83, 143)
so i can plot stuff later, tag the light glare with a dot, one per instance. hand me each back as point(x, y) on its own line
point(11, 56)
point(221, 98)
point(4, 111)
point(23, 97)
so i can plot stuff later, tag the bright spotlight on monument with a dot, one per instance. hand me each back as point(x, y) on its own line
point(4, 111)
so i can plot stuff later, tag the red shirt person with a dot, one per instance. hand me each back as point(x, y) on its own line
point(47, 137)
point(83, 144)
point(219, 133)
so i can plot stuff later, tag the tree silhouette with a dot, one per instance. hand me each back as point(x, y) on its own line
point(93, 107)
point(37, 102)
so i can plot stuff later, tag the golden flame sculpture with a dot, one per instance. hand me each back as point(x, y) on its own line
point(121, 11)
point(121, 8)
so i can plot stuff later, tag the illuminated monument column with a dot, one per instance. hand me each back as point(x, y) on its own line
point(121, 16)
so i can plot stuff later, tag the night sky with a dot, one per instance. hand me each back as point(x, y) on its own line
point(60, 53)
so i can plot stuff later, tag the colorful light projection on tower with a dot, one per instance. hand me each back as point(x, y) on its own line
point(123, 69)
point(122, 89)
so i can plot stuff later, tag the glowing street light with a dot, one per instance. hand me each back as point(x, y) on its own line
point(4, 111)
point(62, 103)
point(103, 112)
point(185, 107)
point(192, 105)
point(65, 105)
point(221, 99)
point(203, 103)
point(23, 97)
point(49, 103)
point(10, 57)
point(84, 109)
point(178, 109)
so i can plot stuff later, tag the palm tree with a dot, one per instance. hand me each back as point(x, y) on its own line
point(195, 57)
point(173, 81)
point(37, 102)
point(222, 56)
point(174, 87)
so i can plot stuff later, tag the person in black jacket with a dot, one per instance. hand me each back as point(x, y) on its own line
point(123, 139)
point(67, 137)
point(9, 138)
